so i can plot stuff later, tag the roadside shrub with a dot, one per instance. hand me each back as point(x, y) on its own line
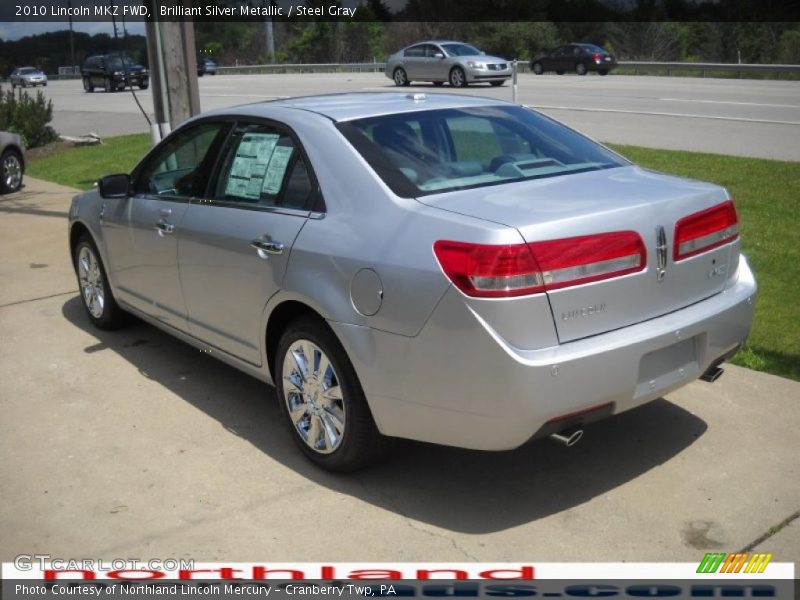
point(28, 116)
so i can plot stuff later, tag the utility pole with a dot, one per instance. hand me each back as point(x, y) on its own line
point(269, 34)
point(71, 41)
point(173, 71)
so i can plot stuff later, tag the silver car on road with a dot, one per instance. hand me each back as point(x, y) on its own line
point(27, 76)
point(446, 61)
point(450, 269)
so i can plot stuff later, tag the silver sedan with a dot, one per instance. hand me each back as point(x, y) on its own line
point(446, 61)
point(450, 269)
point(27, 76)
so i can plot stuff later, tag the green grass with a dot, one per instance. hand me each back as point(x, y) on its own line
point(80, 167)
point(767, 195)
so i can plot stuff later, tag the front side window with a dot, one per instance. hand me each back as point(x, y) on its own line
point(262, 166)
point(181, 166)
point(434, 151)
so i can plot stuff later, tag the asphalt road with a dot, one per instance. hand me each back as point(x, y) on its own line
point(132, 444)
point(725, 116)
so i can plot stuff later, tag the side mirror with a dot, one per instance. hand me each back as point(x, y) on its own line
point(438, 55)
point(114, 186)
point(483, 53)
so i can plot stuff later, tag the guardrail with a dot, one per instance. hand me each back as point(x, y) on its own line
point(522, 65)
point(704, 68)
point(363, 67)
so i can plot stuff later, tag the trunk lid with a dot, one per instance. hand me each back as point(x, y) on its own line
point(619, 199)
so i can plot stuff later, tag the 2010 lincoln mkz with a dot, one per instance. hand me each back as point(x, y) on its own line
point(451, 269)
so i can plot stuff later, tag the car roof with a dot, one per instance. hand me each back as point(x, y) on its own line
point(357, 105)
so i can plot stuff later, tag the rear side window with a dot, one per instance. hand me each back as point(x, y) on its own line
point(414, 52)
point(262, 166)
point(435, 151)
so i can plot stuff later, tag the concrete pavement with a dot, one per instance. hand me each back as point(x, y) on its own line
point(132, 444)
point(741, 117)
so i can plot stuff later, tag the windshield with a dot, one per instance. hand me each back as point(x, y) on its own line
point(434, 151)
point(28, 71)
point(460, 50)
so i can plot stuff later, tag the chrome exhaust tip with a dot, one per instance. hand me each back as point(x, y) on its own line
point(568, 437)
point(712, 374)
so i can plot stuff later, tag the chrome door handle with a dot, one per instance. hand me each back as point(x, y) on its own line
point(267, 246)
point(164, 227)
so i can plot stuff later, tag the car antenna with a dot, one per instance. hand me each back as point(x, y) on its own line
point(124, 66)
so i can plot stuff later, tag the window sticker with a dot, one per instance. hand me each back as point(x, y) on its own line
point(250, 164)
point(276, 169)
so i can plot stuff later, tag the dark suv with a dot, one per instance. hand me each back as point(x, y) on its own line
point(113, 72)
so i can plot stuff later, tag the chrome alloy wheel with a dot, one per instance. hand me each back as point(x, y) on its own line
point(313, 397)
point(457, 78)
point(12, 171)
point(91, 282)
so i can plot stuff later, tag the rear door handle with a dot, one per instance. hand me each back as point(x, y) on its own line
point(267, 246)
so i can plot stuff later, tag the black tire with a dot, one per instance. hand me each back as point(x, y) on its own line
point(559, 72)
point(400, 77)
point(438, 83)
point(87, 85)
point(107, 87)
point(45, 84)
point(581, 69)
point(112, 316)
point(538, 68)
point(602, 72)
point(458, 78)
point(361, 444)
point(497, 83)
point(23, 84)
point(7, 184)
point(144, 86)
point(200, 73)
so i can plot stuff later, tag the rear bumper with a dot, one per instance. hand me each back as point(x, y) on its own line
point(460, 383)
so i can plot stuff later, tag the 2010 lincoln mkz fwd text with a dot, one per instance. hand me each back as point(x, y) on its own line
point(451, 269)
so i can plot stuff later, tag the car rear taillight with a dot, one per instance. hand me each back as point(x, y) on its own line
point(519, 269)
point(705, 230)
point(488, 270)
point(596, 56)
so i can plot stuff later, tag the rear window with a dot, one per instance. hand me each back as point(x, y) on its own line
point(435, 151)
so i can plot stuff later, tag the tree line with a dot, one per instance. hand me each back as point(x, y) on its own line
point(369, 38)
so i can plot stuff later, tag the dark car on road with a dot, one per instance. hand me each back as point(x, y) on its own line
point(578, 58)
point(112, 72)
point(206, 66)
